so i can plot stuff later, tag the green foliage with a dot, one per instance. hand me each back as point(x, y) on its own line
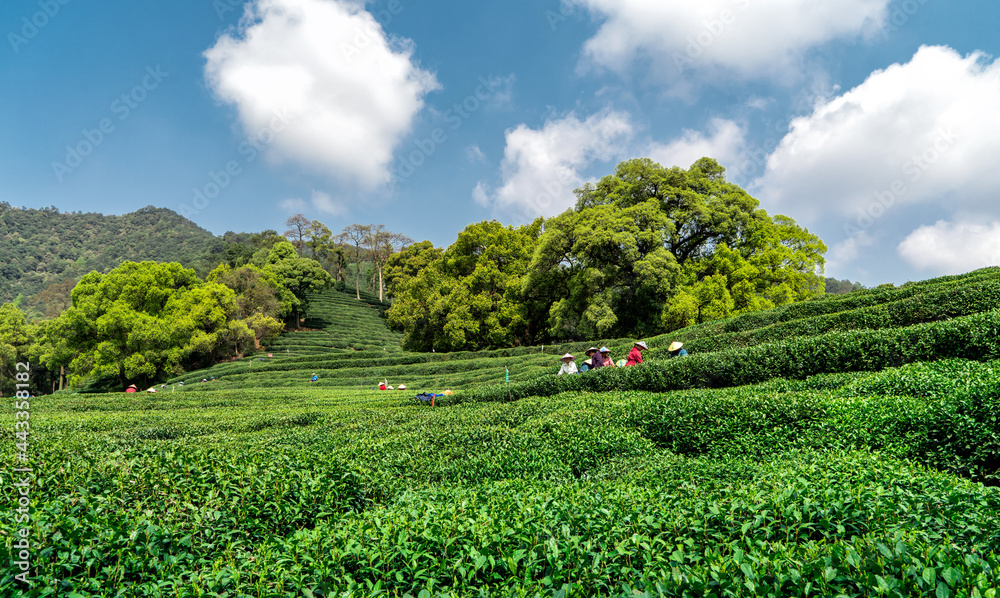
point(603, 270)
point(142, 321)
point(932, 305)
point(841, 287)
point(971, 337)
point(39, 248)
point(470, 296)
point(13, 344)
point(783, 489)
point(300, 276)
point(963, 286)
point(652, 247)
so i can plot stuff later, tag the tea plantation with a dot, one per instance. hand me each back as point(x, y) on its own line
point(843, 447)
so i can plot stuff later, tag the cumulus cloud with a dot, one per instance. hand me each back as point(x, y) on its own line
point(742, 37)
point(915, 133)
point(292, 204)
point(350, 93)
point(473, 154)
point(952, 247)
point(847, 251)
point(325, 204)
point(319, 202)
point(725, 143)
point(542, 167)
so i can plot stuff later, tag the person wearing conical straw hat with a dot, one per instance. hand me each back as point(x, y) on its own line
point(588, 363)
point(676, 349)
point(596, 359)
point(606, 357)
point(635, 355)
point(568, 365)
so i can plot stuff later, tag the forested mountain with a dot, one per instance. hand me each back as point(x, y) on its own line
point(41, 247)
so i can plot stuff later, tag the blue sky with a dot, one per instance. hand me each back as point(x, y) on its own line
point(874, 123)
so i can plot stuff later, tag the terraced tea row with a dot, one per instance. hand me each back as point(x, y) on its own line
point(785, 488)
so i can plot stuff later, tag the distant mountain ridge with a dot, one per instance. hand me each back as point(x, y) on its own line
point(40, 247)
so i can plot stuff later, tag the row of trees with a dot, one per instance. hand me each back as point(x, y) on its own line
point(646, 250)
point(141, 322)
point(357, 248)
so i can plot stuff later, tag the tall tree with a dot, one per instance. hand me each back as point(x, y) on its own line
point(601, 271)
point(261, 298)
point(381, 244)
point(301, 276)
point(355, 234)
point(142, 321)
point(469, 296)
point(298, 227)
point(13, 344)
point(409, 263)
point(705, 250)
point(318, 238)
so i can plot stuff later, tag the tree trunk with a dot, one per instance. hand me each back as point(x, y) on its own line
point(380, 282)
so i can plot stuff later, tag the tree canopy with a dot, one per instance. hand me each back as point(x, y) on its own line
point(468, 296)
point(13, 342)
point(144, 320)
point(645, 250)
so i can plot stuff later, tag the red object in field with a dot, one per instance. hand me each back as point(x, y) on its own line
point(381, 386)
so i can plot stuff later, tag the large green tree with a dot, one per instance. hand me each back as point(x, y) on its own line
point(13, 344)
point(301, 276)
point(652, 247)
point(261, 299)
point(142, 321)
point(602, 270)
point(467, 297)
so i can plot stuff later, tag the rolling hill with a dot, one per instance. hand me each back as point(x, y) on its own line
point(42, 247)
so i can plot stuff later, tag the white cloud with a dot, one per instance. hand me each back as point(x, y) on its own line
point(847, 251)
point(474, 154)
point(917, 133)
point(325, 204)
point(542, 167)
point(745, 37)
point(952, 247)
point(350, 92)
point(318, 201)
point(292, 204)
point(726, 143)
point(481, 194)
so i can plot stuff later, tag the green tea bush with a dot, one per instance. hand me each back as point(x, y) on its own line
point(821, 525)
point(839, 303)
point(972, 337)
point(927, 307)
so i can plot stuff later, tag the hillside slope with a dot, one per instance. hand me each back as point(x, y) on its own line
point(42, 247)
point(887, 327)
